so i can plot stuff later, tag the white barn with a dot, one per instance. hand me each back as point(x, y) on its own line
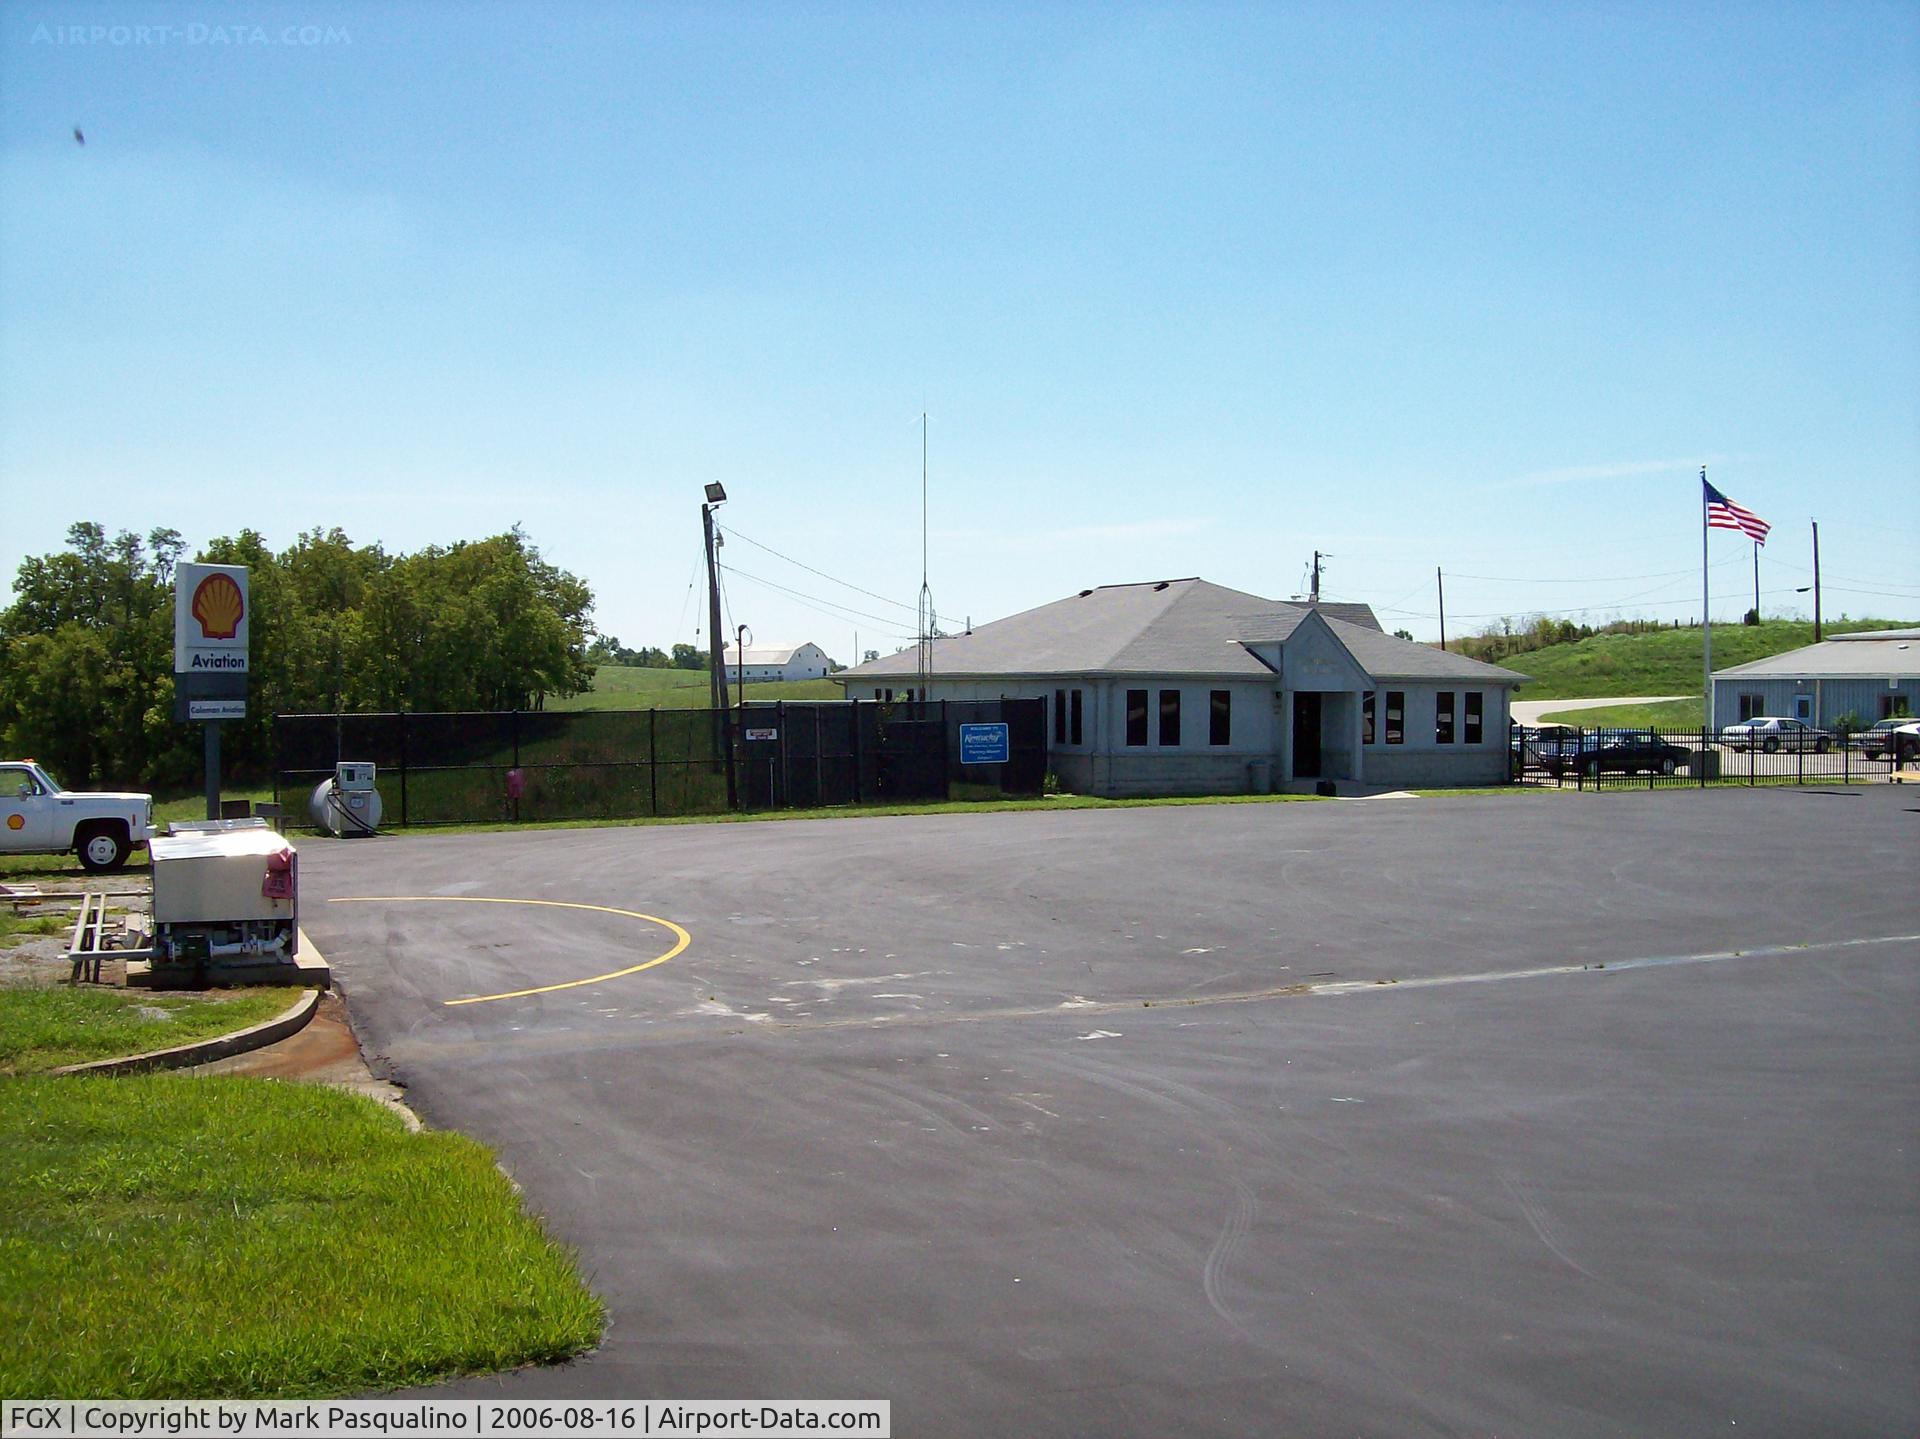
point(1186, 687)
point(794, 662)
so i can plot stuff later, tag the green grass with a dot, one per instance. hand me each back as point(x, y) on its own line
point(16, 928)
point(27, 868)
point(1662, 662)
point(167, 1236)
point(627, 687)
point(1667, 715)
point(44, 1028)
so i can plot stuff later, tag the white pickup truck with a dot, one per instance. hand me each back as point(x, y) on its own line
point(37, 816)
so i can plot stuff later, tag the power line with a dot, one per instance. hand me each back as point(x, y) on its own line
point(821, 573)
point(680, 625)
point(833, 610)
point(1596, 579)
point(1877, 587)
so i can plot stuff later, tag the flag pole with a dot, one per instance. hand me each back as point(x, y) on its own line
point(1706, 617)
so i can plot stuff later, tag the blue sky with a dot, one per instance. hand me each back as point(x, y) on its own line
point(1183, 291)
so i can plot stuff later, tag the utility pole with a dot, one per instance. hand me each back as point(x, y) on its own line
point(1816, 582)
point(1440, 581)
point(926, 622)
point(716, 495)
point(1313, 593)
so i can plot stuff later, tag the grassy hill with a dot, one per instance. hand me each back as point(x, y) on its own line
point(1662, 662)
point(627, 687)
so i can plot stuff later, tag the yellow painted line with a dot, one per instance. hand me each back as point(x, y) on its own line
point(681, 943)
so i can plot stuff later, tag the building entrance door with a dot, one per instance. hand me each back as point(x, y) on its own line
point(1306, 734)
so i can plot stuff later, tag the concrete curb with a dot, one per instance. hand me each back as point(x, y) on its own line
point(202, 1051)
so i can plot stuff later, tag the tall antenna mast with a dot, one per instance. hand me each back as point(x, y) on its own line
point(925, 618)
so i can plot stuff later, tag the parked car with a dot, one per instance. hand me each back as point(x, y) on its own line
point(38, 816)
point(1534, 746)
point(1906, 743)
point(1616, 753)
point(1877, 739)
point(1773, 733)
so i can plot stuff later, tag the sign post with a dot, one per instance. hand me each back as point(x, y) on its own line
point(211, 608)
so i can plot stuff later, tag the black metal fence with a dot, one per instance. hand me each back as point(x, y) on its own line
point(1624, 758)
point(528, 765)
point(799, 756)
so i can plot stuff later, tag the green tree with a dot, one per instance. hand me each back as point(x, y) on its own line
point(87, 646)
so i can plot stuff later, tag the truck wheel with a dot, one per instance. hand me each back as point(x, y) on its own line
point(1667, 766)
point(1820, 745)
point(1771, 744)
point(102, 847)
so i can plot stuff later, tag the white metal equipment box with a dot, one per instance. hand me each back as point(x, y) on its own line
point(225, 890)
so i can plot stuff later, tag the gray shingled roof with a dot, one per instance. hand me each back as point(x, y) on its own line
point(1865, 654)
point(1387, 658)
point(1172, 627)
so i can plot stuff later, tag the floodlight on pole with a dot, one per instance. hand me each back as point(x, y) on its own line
point(716, 493)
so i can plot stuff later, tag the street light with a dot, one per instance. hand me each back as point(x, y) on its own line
point(741, 633)
point(717, 676)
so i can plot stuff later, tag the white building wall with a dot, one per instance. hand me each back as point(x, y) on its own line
point(1421, 760)
point(1104, 763)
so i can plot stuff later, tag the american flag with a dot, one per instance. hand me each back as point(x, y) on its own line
point(1724, 514)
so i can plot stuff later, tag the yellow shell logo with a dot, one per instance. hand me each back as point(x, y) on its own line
point(218, 607)
point(15, 821)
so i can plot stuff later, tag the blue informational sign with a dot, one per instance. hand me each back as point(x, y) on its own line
point(983, 744)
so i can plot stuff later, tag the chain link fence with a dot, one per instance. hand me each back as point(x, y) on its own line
point(536, 765)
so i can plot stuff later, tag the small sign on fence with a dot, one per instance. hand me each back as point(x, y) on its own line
point(763, 734)
point(984, 744)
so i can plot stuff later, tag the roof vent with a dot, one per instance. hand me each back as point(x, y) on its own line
point(1085, 593)
point(1161, 586)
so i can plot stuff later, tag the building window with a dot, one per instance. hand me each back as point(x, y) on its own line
point(1396, 716)
point(1366, 718)
point(1443, 717)
point(1059, 716)
point(1476, 715)
point(1752, 706)
point(1893, 706)
point(1073, 726)
point(1170, 717)
point(1136, 717)
point(1220, 717)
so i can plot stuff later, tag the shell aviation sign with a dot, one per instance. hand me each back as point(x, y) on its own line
point(210, 612)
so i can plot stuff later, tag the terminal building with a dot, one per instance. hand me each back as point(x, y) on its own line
point(1186, 687)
